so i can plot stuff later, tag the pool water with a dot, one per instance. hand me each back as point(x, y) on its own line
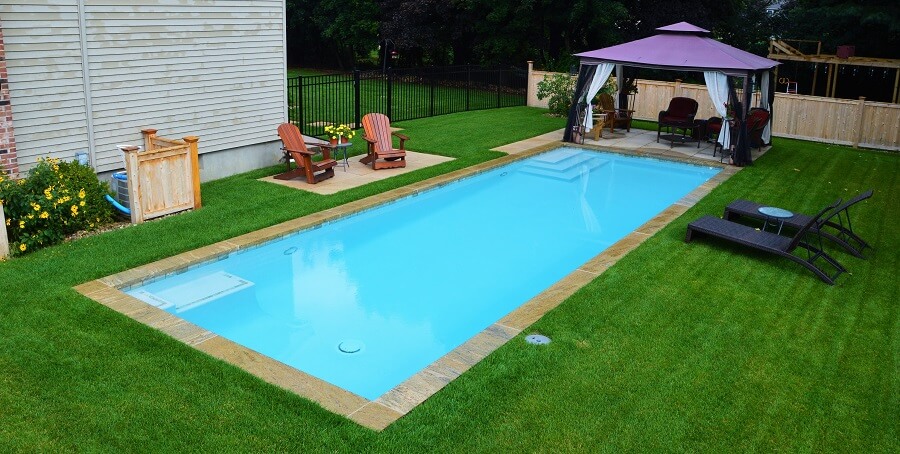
point(367, 301)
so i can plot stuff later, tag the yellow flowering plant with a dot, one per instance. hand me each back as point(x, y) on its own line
point(54, 200)
point(339, 130)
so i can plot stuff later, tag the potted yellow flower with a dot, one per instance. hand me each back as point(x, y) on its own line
point(339, 133)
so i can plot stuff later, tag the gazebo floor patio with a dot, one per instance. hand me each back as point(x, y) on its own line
point(637, 140)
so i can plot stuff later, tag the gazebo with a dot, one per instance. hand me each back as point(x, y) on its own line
point(684, 47)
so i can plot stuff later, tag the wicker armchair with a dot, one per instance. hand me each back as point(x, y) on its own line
point(679, 115)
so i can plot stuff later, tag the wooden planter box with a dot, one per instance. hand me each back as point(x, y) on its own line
point(164, 178)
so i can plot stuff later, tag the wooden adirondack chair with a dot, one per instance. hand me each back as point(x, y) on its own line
point(615, 117)
point(294, 147)
point(381, 153)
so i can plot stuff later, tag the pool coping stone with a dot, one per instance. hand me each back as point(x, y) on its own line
point(394, 404)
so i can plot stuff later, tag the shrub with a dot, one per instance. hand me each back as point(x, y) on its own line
point(55, 200)
point(560, 88)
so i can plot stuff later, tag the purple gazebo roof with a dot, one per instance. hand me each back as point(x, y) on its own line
point(680, 46)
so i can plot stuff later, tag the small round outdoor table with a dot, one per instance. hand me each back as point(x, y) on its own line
point(775, 216)
point(342, 147)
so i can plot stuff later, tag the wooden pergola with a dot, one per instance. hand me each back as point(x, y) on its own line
point(782, 51)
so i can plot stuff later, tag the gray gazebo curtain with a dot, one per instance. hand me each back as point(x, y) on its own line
point(585, 75)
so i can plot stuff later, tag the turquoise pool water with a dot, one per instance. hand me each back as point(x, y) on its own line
point(367, 301)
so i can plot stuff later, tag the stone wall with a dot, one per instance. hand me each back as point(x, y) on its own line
point(9, 163)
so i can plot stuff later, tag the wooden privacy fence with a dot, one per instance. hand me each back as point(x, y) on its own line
point(842, 121)
point(829, 120)
point(164, 178)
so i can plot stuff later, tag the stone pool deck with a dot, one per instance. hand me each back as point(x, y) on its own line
point(636, 141)
point(379, 413)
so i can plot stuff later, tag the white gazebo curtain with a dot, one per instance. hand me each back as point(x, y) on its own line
point(764, 103)
point(600, 77)
point(717, 85)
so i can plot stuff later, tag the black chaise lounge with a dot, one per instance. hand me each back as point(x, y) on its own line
point(772, 242)
point(835, 227)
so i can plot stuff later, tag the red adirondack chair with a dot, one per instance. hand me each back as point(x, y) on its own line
point(294, 147)
point(381, 153)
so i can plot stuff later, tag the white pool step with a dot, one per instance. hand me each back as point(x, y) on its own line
point(195, 293)
point(565, 165)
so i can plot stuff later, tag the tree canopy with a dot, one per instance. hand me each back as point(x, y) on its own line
point(873, 26)
point(354, 33)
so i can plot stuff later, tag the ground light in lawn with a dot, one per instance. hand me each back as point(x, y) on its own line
point(537, 339)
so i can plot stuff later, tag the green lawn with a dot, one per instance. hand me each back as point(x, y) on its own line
point(678, 347)
point(294, 72)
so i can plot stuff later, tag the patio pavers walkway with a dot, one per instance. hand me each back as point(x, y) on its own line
point(357, 174)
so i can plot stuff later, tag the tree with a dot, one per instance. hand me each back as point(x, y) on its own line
point(305, 42)
point(352, 25)
point(547, 31)
point(749, 26)
point(429, 31)
point(550, 31)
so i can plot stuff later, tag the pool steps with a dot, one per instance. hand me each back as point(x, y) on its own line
point(567, 167)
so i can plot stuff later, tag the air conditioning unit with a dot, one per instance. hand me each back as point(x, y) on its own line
point(119, 187)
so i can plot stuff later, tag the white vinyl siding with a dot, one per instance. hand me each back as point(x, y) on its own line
point(46, 89)
point(214, 69)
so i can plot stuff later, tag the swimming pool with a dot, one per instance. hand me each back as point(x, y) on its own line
point(366, 301)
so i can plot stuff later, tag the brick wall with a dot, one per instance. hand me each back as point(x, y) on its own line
point(9, 163)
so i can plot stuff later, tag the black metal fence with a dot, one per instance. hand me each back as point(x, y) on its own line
point(402, 94)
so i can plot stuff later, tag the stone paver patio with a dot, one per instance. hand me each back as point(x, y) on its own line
point(358, 174)
point(636, 141)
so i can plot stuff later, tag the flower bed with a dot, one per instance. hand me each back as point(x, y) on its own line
point(56, 199)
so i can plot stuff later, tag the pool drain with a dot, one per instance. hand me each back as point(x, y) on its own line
point(290, 250)
point(537, 339)
point(350, 346)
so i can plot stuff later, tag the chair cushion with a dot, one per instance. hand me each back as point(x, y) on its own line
point(673, 119)
point(680, 107)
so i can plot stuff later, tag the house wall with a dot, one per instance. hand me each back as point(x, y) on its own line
point(86, 75)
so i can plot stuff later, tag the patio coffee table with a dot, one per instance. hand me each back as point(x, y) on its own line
point(774, 216)
point(680, 138)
